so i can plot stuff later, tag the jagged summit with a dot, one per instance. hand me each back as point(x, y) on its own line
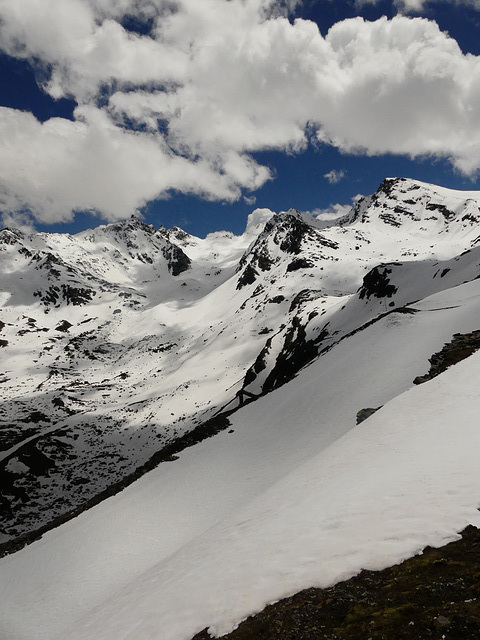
point(402, 201)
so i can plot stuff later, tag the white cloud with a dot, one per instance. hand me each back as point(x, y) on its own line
point(60, 166)
point(324, 217)
point(419, 6)
point(333, 212)
point(335, 175)
point(214, 81)
point(249, 200)
point(17, 220)
point(84, 53)
point(405, 88)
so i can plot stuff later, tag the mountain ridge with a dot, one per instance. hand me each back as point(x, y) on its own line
point(292, 329)
point(146, 304)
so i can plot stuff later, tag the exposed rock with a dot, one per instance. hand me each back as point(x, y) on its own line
point(291, 234)
point(259, 365)
point(178, 261)
point(390, 219)
point(299, 263)
point(63, 326)
point(376, 283)
point(285, 231)
point(446, 213)
point(297, 351)
point(248, 276)
point(77, 295)
point(460, 347)
point(363, 414)
point(10, 236)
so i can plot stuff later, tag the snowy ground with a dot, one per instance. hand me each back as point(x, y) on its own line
point(117, 341)
point(296, 496)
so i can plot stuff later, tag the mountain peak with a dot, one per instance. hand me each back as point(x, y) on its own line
point(130, 224)
point(10, 235)
point(431, 209)
point(153, 313)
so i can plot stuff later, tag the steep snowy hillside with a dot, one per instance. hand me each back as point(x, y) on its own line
point(292, 495)
point(118, 341)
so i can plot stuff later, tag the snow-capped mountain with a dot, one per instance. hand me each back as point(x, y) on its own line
point(124, 342)
point(119, 340)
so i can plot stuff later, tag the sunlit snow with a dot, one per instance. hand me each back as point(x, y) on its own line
point(293, 494)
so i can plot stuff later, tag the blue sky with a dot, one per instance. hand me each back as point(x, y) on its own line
point(195, 113)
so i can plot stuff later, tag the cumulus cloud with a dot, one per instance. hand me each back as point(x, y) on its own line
point(323, 218)
point(405, 88)
point(334, 176)
point(333, 212)
point(61, 166)
point(419, 6)
point(183, 105)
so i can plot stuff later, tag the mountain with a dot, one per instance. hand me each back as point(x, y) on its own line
point(127, 344)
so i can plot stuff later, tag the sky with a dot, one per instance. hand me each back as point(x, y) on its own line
point(195, 112)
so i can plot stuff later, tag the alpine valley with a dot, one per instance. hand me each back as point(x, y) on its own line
point(192, 429)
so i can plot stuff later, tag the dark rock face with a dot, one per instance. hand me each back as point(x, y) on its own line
point(259, 365)
point(435, 595)
point(388, 185)
point(10, 236)
point(248, 276)
point(178, 261)
point(299, 263)
point(49, 296)
point(51, 263)
point(446, 213)
point(297, 351)
point(289, 236)
point(287, 232)
point(363, 414)
point(63, 326)
point(77, 295)
point(390, 219)
point(461, 346)
point(258, 260)
point(376, 283)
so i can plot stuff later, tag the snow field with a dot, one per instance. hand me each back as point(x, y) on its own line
point(295, 496)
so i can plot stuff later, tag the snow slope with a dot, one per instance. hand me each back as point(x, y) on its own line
point(117, 341)
point(293, 494)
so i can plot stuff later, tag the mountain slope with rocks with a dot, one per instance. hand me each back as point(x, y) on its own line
point(124, 342)
point(119, 340)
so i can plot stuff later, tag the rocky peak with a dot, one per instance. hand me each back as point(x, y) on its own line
point(283, 235)
point(10, 236)
point(177, 259)
point(400, 201)
point(127, 228)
